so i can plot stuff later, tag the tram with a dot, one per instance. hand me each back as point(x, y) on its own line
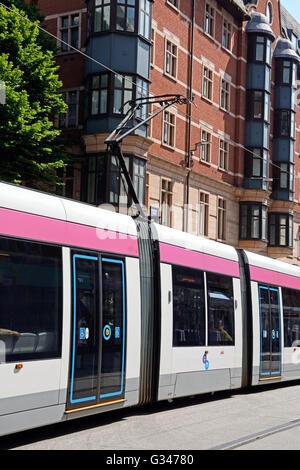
point(99, 311)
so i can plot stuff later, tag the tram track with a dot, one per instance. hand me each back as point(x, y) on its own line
point(235, 444)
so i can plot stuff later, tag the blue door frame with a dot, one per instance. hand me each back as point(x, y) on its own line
point(81, 394)
point(270, 332)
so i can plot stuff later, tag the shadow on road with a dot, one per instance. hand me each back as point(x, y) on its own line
point(13, 441)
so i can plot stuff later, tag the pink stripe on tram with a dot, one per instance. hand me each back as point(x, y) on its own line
point(194, 259)
point(36, 227)
point(272, 277)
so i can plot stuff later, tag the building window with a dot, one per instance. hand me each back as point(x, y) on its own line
point(294, 40)
point(66, 176)
point(223, 154)
point(286, 72)
point(188, 307)
point(152, 51)
point(147, 191)
point(205, 148)
point(283, 177)
point(225, 95)
point(221, 219)
point(99, 95)
point(203, 213)
point(118, 190)
point(258, 105)
point(259, 49)
point(166, 202)
point(209, 24)
point(281, 230)
point(207, 85)
point(104, 181)
point(112, 93)
point(102, 15)
point(175, 3)
point(220, 310)
point(226, 37)
point(142, 91)
point(125, 15)
point(256, 163)
point(269, 12)
point(139, 179)
point(70, 118)
point(170, 59)
point(284, 124)
point(253, 221)
point(69, 32)
point(145, 18)
point(169, 129)
point(123, 93)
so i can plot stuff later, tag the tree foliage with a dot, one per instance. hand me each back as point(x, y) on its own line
point(31, 149)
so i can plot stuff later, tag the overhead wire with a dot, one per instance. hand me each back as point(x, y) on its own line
point(124, 76)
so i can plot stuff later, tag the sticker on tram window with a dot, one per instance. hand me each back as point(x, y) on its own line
point(82, 333)
point(107, 332)
point(117, 332)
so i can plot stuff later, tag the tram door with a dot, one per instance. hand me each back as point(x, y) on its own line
point(98, 331)
point(270, 341)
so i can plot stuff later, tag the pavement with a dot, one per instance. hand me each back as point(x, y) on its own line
point(262, 418)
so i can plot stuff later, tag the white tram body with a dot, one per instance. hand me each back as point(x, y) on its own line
point(192, 369)
point(274, 340)
point(100, 312)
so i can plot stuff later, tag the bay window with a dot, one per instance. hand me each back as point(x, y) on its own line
point(104, 182)
point(253, 221)
point(111, 94)
point(281, 230)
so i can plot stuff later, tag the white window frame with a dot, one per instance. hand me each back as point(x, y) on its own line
point(226, 90)
point(205, 146)
point(173, 3)
point(221, 217)
point(223, 154)
point(172, 56)
point(207, 83)
point(171, 125)
point(227, 29)
point(203, 216)
point(166, 208)
point(211, 15)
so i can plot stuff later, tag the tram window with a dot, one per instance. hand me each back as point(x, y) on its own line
point(113, 301)
point(220, 310)
point(291, 316)
point(30, 300)
point(188, 307)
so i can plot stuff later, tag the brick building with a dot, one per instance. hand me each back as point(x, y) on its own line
point(227, 165)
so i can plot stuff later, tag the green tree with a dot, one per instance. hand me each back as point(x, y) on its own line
point(31, 149)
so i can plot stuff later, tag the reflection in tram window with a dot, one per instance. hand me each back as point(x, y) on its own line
point(188, 307)
point(220, 310)
point(30, 300)
point(291, 316)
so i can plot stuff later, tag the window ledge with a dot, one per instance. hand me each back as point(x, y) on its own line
point(169, 147)
point(176, 9)
point(227, 111)
point(225, 49)
point(210, 101)
point(171, 77)
point(204, 162)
